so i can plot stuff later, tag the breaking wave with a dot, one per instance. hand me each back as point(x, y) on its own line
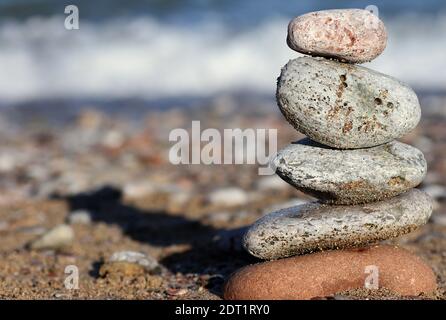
point(146, 58)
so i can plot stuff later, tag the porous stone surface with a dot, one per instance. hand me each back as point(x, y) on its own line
point(326, 273)
point(352, 35)
point(345, 106)
point(350, 176)
point(314, 226)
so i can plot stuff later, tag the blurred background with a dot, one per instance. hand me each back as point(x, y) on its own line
point(85, 117)
point(154, 50)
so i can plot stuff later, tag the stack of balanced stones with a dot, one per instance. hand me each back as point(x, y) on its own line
point(363, 178)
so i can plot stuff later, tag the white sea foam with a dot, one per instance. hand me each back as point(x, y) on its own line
point(144, 58)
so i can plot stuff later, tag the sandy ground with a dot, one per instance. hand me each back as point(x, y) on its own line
point(118, 172)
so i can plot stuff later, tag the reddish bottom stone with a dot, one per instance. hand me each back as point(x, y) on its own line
point(325, 273)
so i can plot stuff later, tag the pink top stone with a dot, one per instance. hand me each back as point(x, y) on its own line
point(350, 35)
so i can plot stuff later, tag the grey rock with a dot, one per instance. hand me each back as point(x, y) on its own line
point(345, 106)
point(60, 236)
point(315, 226)
point(350, 176)
point(148, 262)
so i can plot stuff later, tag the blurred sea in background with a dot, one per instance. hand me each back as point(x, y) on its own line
point(163, 52)
point(85, 118)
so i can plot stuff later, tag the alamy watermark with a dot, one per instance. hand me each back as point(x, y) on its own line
point(233, 146)
point(372, 280)
point(372, 21)
point(373, 9)
point(72, 18)
point(71, 282)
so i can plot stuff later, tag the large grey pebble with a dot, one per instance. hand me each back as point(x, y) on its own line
point(315, 226)
point(350, 176)
point(345, 106)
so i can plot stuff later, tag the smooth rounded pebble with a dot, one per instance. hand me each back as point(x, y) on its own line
point(315, 226)
point(350, 176)
point(58, 237)
point(345, 106)
point(326, 273)
point(351, 35)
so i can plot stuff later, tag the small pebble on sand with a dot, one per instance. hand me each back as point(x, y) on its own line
point(58, 237)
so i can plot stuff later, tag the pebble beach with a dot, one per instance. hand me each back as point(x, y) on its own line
point(119, 178)
point(111, 189)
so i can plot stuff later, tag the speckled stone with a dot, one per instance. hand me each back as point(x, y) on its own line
point(345, 106)
point(326, 273)
point(312, 227)
point(352, 35)
point(350, 176)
